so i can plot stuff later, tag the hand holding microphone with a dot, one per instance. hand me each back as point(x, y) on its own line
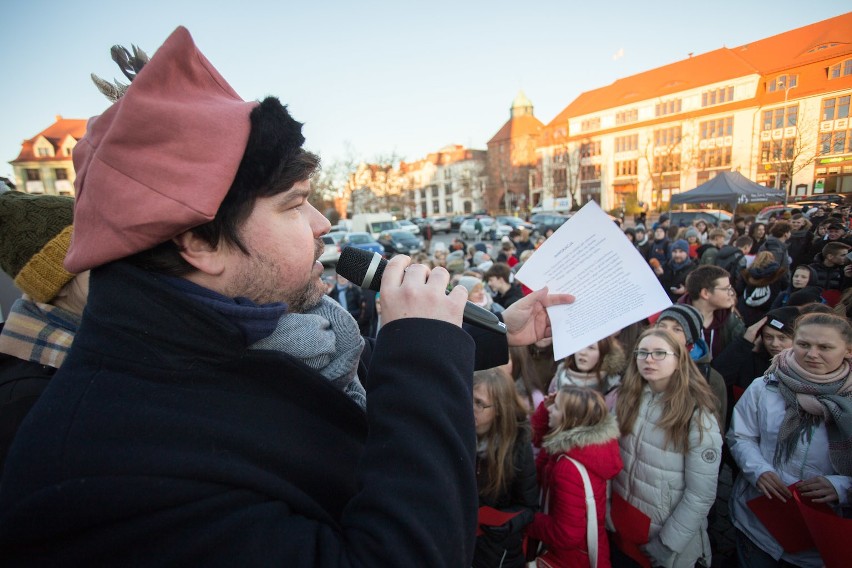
point(412, 290)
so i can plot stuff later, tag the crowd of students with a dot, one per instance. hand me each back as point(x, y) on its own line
point(754, 351)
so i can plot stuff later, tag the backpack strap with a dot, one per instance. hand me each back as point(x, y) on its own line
point(591, 512)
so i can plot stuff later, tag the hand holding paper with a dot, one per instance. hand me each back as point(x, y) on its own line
point(591, 258)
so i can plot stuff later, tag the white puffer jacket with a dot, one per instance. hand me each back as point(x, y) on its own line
point(675, 490)
point(752, 438)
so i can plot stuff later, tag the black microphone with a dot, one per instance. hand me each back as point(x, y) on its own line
point(365, 269)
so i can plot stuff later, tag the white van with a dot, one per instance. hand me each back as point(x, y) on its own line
point(373, 223)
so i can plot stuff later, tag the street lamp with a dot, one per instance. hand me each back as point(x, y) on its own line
point(787, 89)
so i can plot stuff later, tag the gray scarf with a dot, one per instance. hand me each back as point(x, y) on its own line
point(810, 400)
point(327, 339)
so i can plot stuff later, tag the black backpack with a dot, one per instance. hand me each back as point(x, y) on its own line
point(730, 263)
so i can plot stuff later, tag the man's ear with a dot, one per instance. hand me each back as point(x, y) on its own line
point(200, 254)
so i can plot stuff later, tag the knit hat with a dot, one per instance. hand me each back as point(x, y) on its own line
point(807, 295)
point(160, 160)
point(688, 317)
point(782, 319)
point(692, 232)
point(640, 227)
point(35, 231)
point(663, 218)
point(681, 244)
point(469, 282)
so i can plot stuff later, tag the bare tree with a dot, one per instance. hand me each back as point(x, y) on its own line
point(790, 153)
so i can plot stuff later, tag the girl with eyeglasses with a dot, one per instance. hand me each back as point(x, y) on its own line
point(573, 423)
point(505, 469)
point(792, 426)
point(671, 446)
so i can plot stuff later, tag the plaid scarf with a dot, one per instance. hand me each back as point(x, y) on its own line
point(40, 333)
point(810, 399)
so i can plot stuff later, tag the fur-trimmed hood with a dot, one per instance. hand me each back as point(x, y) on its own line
point(763, 277)
point(583, 436)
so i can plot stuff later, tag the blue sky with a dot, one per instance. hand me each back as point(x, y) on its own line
point(372, 78)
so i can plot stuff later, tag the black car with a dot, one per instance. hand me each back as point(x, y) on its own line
point(400, 241)
point(544, 221)
point(456, 221)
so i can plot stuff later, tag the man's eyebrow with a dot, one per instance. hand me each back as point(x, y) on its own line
point(287, 197)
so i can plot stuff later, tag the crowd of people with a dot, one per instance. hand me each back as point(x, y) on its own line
point(180, 386)
point(754, 350)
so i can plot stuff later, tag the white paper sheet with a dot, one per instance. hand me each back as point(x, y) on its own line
point(591, 258)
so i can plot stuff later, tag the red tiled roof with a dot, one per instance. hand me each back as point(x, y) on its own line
point(516, 127)
point(807, 45)
point(55, 134)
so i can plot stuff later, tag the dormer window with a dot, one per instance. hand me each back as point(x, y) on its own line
point(782, 83)
point(821, 47)
point(840, 69)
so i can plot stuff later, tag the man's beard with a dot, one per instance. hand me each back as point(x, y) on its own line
point(260, 282)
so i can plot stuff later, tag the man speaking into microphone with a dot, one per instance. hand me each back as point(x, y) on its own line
point(210, 412)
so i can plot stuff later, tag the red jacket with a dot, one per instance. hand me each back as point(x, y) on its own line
point(563, 528)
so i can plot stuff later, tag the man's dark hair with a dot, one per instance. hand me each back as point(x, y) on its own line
point(745, 240)
point(779, 229)
point(498, 270)
point(703, 278)
point(272, 163)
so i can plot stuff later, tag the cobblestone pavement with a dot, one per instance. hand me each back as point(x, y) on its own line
point(722, 532)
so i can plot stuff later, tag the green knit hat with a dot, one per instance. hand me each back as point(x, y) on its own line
point(35, 232)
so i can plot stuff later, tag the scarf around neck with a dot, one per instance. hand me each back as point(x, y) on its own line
point(327, 339)
point(40, 333)
point(811, 399)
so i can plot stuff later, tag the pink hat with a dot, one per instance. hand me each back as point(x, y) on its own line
point(160, 160)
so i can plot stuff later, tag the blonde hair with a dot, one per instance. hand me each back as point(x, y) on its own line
point(686, 394)
point(763, 259)
point(581, 406)
point(509, 419)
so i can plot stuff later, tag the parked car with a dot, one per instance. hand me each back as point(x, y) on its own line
point(331, 252)
point(407, 225)
point(457, 220)
point(491, 229)
point(400, 241)
point(711, 216)
point(440, 224)
point(544, 221)
point(362, 241)
point(515, 222)
point(778, 210)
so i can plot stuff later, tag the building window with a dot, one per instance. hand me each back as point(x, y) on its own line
point(42, 152)
point(668, 107)
point(434, 191)
point(840, 69)
point(717, 96)
point(782, 83)
point(627, 116)
point(61, 173)
point(716, 128)
point(627, 143)
point(667, 136)
point(837, 142)
point(837, 107)
point(588, 173)
point(626, 168)
point(33, 175)
point(715, 157)
point(589, 149)
point(590, 124)
point(780, 117)
point(669, 163)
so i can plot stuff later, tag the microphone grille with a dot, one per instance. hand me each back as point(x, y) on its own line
point(353, 264)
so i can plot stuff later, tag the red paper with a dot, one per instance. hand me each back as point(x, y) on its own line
point(784, 522)
point(832, 534)
point(631, 529)
point(491, 517)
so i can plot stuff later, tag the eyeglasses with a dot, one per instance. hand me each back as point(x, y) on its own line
point(480, 406)
point(658, 355)
point(728, 289)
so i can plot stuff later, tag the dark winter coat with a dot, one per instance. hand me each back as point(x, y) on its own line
point(164, 440)
point(21, 383)
point(828, 277)
point(731, 259)
point(562, 529)
point(675, 277)
point(661, 250)
point(757, 289)
point(798, 246)
point(512, 295)
point(521, 495)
